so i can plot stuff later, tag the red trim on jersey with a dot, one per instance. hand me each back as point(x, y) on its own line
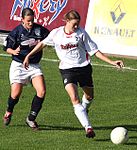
point(87, 55)
point(68, 33)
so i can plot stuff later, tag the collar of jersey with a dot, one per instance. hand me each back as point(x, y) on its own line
point(68, 33)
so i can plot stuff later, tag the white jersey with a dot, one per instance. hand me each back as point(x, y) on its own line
point(72, 49)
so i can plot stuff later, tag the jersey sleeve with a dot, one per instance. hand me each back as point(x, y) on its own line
point(11, 40)
point(91, 46)
point(45, 32)
point(49, 40)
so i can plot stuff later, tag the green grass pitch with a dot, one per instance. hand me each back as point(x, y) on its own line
point(115, 104)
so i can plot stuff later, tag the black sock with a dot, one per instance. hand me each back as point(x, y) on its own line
point(35, 107)
point(11, 103)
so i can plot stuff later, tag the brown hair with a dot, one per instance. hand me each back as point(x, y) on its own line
point(72, 14)
point(27, 12)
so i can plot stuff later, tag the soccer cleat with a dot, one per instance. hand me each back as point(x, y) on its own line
point(90, 133)
point(32, 124)
point(7, 118)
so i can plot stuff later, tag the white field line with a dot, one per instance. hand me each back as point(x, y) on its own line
point(56, 60)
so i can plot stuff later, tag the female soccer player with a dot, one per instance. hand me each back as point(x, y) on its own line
point(19, 43)
point(73, 47)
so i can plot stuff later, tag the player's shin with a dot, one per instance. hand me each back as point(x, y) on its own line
point(82, 116)
point(11, 103)
point(8, 114)
point(35, 107)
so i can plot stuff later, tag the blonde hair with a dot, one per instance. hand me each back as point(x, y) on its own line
point(72, 14)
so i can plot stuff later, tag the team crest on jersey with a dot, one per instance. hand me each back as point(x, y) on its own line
point(22, 36)
point(37, 31)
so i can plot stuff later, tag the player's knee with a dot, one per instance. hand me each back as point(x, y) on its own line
point(41, 93)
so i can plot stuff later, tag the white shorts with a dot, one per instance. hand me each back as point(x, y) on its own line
point(18, 74)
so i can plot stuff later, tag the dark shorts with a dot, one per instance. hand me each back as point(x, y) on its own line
point(79, 75)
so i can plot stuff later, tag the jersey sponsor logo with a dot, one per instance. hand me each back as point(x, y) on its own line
point(30, 42)
point(69, 46)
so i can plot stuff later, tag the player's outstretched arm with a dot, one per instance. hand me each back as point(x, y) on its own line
point(117, 63)
point(36, 49)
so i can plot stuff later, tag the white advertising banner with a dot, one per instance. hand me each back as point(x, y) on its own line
point(112, 24)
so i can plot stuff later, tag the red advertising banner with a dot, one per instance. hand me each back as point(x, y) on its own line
point(48, 13)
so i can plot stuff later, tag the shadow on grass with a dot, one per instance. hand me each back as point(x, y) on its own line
point(68, 128)
point(48, 127)
point(59, 127)
point(128, 127)
point(51, 127)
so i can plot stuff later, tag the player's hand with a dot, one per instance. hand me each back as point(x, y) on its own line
point(118, 63)
point(26, 63)
point(17, 51)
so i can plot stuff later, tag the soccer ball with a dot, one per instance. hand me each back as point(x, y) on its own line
point(119, 135)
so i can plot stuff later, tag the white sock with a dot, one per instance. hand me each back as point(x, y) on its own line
point(82, 116)
point(85, 103)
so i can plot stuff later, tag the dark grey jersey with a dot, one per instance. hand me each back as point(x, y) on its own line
point(26, 40)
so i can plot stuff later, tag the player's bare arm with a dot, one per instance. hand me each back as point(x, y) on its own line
point(117, 63)
point(36, 49)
